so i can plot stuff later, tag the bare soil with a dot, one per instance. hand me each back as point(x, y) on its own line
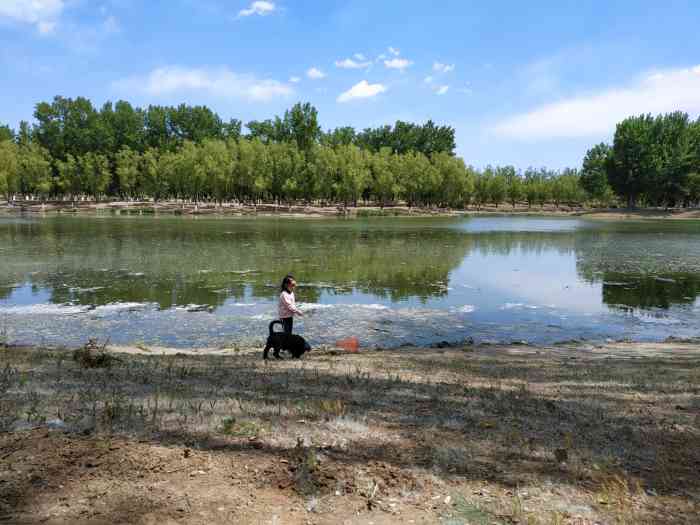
point(467, 435)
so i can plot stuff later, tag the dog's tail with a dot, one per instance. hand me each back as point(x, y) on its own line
point(272, 324)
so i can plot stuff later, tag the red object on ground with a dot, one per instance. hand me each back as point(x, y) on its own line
point(351, 344)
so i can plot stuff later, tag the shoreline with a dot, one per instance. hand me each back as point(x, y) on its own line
point(473, 434)
point(274, 210)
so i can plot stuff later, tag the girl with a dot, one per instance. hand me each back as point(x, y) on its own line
point(287, 306)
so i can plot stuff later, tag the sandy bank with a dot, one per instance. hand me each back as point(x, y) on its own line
point(173, 208)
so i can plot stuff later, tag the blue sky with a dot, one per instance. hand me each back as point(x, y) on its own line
point(524, 83)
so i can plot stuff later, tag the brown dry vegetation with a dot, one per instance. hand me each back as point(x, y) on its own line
point(474, 435)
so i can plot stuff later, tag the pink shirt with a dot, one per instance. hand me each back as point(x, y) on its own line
point(287, 306)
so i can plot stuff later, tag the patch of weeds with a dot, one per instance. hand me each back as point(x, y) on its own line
point(467, 513)
point(246, 428)
point(332, 407)
point(94, 356)
point(34, 414)
point(9, 377)
point(348, 424)
point(304, 463)
point(451, 459)
point(4, 333)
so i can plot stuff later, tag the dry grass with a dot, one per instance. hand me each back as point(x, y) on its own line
point(485, 435)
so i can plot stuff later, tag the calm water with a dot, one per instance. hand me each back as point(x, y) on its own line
point(214, 281)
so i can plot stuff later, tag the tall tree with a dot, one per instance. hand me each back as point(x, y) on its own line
point(635, 158)
point(594, 173)
point(127, 168)
point(9, 168)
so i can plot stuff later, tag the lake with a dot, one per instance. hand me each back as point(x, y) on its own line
point(210, 282)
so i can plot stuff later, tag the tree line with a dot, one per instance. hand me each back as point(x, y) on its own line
point(76, 151)
point(653, 161)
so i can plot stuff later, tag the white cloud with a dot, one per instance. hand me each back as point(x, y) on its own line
point(260, 7)
point(349, 63)
point(428, 80)
point(361, 90)
point(398, 63)
point(294, 80)
point(315, 73)
point(219, 82)
point(441, 90)
point(43, 14)
point(360, 56)
point(394, 51)
point(595, 114)
point(439, 67)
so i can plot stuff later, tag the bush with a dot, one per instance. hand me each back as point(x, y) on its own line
point(94, 356)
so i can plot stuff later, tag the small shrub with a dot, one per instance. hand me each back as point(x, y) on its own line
point(92, 356)
point(232, 427)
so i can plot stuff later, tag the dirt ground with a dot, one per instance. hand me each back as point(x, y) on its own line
point(467, 435)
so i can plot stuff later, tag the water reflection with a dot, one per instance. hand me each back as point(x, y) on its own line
point(414, 279)
point(175, 262)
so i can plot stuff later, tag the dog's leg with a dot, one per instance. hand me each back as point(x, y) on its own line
point(266, 351)
point(276, 353)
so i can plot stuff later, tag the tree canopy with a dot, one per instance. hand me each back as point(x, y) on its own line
point(74, 150)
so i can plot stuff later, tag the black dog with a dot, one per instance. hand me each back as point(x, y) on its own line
point(295, 344)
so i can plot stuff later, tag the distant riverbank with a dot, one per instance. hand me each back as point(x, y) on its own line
point(301, 210)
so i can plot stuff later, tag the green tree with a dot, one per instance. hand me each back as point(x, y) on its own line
point(634, 160)
point(482, 187)
point(498, 187)
point(455, 181)
point(515, 190)
point(128, 172)
point(156, 172)
point(6, 133)
point(302, 123)
point(594, 173)
point(326, 170)
point(69, 177)
point(96, 175)
point(353, 174)
point(9, 168)
point(694, 188)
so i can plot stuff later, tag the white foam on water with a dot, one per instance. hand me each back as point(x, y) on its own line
point(136, 274)
point(83, 290)
point(120, 307)
point(372, 306)
point(321, 285)
point(466, 309)
point(650, 318)
point(512, 306)
point(308, 307)
point(193, 308)
point(45, 309)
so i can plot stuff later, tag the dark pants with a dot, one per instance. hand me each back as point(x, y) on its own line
point(287, 324)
